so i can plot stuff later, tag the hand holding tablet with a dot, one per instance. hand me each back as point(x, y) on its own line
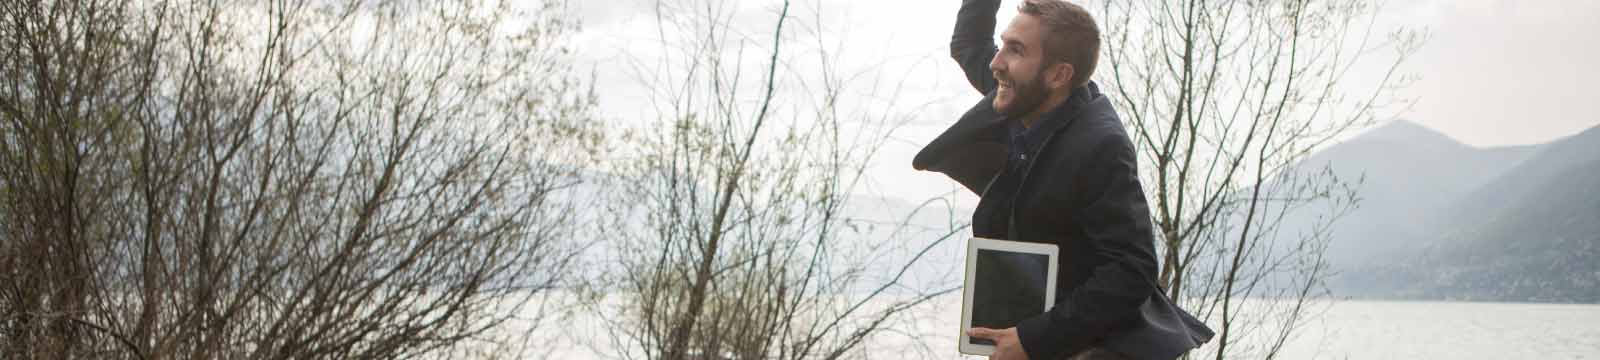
point(1006, 282)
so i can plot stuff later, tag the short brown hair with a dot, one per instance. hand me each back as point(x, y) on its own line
point(1071, 35)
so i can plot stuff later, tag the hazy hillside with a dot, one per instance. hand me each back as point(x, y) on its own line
point(1406, 171)
point(1443, 220)
point(1533, 234)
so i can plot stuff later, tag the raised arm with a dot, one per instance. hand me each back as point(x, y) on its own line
point(972, 44)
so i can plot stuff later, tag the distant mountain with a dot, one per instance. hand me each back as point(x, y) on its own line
point(1406, 171)
point(1442, 220)
point(1533, 234)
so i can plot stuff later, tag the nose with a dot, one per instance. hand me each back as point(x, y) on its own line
point(996, 64)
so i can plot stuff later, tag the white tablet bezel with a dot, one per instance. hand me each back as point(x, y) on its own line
point(966, 346)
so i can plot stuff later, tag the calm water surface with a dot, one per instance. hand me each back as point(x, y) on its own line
point(1347, 330)
point(1450, 330)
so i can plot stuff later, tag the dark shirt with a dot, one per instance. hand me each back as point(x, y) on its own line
point(1019, 147)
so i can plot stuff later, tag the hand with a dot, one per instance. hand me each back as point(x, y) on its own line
point(1006, 344)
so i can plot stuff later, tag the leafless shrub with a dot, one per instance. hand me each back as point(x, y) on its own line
point(730, 239)
point(279, 179)
point(1224, 99)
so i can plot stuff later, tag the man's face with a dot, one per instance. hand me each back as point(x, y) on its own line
point(1018, 67)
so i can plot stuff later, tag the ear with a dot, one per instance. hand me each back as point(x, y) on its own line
point(1061, 75)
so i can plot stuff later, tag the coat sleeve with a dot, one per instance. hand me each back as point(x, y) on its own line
point(972, 44)
point(1110, 205)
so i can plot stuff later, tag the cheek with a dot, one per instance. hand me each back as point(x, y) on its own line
point(1021, 74)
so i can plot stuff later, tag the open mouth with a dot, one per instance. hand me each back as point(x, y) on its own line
point(1003, 82)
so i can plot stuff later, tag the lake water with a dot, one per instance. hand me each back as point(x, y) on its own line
point(1450, 330)
point(1347, 330)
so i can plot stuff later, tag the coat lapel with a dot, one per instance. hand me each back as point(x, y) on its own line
point(972, 151)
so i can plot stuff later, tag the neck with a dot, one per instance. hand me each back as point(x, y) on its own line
point(1049, 103)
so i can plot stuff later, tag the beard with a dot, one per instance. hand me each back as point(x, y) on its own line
point(1017, 98)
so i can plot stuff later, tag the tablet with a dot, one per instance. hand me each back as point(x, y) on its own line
point(1006, 282)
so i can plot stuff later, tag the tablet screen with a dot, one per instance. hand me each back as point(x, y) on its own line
point(1009, 288)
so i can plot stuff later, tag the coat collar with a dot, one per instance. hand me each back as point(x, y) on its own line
point(973, 149)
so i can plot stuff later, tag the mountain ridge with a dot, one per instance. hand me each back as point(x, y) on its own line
point(1444, 220)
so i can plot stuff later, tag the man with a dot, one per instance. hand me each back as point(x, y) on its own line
point(1053, 164)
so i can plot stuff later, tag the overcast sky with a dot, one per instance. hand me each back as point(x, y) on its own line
point(1499, 72)
point(1494, 72)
